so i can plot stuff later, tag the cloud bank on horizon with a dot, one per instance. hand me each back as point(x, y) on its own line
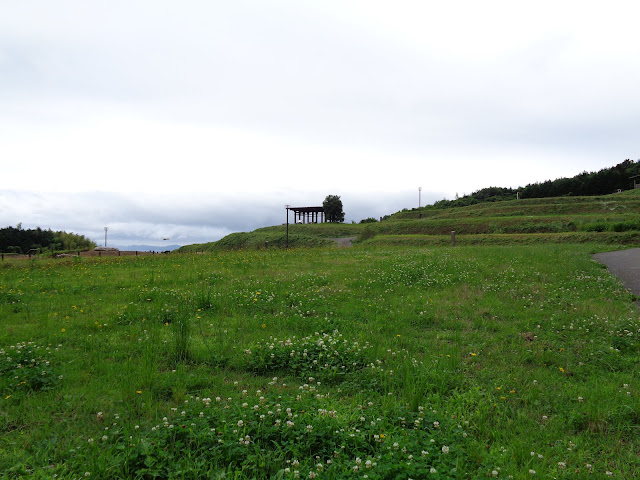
point(191, 120)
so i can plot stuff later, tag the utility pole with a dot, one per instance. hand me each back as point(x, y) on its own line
point(105, 235)
point(287, 207)
point(419, 202)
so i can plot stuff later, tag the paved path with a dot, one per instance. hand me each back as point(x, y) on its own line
point(624, 264)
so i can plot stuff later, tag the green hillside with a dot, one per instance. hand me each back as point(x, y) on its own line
point(611, 218)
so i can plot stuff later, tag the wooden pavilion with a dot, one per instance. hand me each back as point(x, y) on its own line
point(308, 214)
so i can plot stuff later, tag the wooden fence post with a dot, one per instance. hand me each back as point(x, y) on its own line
point(453, 238)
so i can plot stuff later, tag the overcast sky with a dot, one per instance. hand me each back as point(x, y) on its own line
point(190, 120)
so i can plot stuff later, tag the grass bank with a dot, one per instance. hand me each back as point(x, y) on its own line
point(626, 238)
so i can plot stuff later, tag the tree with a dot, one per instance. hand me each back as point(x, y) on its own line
point(333, 209)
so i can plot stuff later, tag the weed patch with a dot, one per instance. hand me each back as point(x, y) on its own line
point(29, 367)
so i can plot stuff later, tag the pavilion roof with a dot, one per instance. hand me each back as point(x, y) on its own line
point(307, 209)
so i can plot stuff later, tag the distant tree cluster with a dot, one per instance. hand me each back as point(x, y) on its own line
point(602, 182)
point(18, 240)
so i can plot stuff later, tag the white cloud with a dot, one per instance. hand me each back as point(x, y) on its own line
point(202, 105)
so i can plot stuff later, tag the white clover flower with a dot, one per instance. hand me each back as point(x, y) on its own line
point(445, 449)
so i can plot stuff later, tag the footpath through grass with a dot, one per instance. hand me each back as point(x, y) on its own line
point(371, 362)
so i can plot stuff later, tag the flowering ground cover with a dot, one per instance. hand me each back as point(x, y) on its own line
point(380, 363)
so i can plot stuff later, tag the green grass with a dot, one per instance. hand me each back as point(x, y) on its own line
point(413, 362)
point(259, 239)
point(627, 202)
point(614, 238)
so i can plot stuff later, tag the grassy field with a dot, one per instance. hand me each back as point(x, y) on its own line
point(371, 362)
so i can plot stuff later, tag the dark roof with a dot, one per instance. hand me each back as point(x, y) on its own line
point(307, 209)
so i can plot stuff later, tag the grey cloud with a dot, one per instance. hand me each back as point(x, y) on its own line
point(311, 75)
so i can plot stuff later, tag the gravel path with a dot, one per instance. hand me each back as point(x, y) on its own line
point(624, 264)
point(344, 241)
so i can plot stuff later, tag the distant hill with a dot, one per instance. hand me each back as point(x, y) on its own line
point(612, 219)
point(584, 208)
